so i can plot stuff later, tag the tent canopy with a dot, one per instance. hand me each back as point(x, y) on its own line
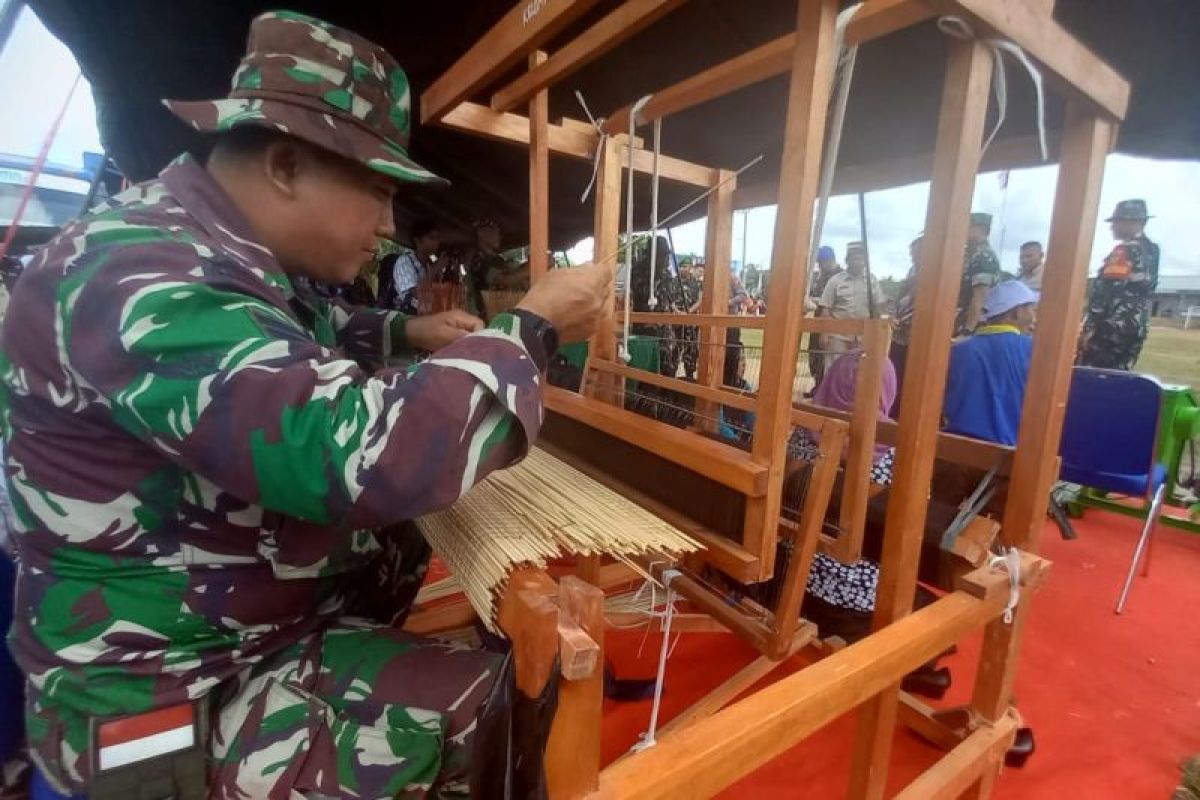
point(138, 51)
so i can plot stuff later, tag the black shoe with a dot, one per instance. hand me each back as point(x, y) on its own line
point(1022, 748)
point(931, 683)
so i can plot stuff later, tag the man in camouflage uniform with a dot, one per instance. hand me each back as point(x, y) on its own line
point(691, 286)
point(210, 490)
point(981, 271)
point(1118, 309)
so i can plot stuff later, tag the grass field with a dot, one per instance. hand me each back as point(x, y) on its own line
point(1170, 354)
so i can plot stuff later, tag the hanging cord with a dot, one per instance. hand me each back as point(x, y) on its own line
point(653, 300)
point(958, 28)
point(602, 138)
point(1010, 562)
point(647, 740)
point(623, 351)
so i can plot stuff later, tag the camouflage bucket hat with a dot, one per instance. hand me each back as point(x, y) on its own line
point(320, 83)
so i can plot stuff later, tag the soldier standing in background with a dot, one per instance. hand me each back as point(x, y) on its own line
point(691, 282)
point(1118, 309)
point(981, 271)
point(827, 267)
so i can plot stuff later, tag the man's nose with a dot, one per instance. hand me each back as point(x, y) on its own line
point(385, 227)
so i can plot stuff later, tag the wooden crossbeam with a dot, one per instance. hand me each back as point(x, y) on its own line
point(625, 21)
point(977, 755)
point(713, 753)
point(526, 27)
point(575, 140)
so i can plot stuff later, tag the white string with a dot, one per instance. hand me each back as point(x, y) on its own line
point(598, 124)
point(623, 351)
point(647, 740)
point(1010, 562)
point(959, 28)
point(653, 300)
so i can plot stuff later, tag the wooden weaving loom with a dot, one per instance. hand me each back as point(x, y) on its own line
point(698, 479)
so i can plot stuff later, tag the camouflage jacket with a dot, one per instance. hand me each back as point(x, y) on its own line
point(196, 463)
point(1125, 281)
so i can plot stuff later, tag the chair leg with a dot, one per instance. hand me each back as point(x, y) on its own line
point(1143, 542)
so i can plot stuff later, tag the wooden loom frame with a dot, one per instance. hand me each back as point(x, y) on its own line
point(720, 745)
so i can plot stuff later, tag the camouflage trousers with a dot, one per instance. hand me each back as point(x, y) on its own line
point(357, 710)
point(689, 338)
point(1112, 350)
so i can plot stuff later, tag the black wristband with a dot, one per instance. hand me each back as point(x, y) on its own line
point(539, 336)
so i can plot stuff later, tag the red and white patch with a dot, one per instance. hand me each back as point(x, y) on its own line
point(133, 739)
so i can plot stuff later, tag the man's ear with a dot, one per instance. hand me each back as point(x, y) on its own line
point(283, 161)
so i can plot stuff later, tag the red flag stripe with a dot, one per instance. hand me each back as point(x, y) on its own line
point(128, 729)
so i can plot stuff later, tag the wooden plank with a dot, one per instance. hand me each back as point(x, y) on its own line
point(767, 61)
point(720, 462)
point(960, 131)
point(526, 27)
point(808, 98)
point(1086, 142)
point(704, 758)
point(577, 140)
point(625, 21)
point(703, 319)
point(805, 539)
point(954, 773)
point(573, 750)
point(1067, 64)
point(921, 720)
point(530, 621)
point(539, 177)
point(578, 653)
point(860, 454)
point(714, 294)
point(440, 618)
point(606, 236)
point(755, 633)
point(878, 18)
point(725, 397)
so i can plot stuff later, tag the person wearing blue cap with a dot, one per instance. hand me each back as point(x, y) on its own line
point(985, 383)
point(827, 267)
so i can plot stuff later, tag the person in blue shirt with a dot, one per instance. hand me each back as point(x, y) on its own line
point(985, 384)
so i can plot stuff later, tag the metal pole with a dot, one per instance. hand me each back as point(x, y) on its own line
point(862, 231)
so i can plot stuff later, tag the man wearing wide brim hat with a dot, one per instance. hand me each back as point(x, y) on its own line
point(1118, 310)
point(210, 489)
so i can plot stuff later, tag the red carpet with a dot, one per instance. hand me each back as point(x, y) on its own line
point(1114, 701)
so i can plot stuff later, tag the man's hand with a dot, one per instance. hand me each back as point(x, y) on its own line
point(435, 331)
point(570, 299)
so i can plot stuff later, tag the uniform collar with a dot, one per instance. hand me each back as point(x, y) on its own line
point(992, 330)
point(213, 210)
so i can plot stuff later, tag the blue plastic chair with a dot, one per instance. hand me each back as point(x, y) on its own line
point(1109, 442)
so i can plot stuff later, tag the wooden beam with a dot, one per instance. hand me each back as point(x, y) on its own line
point(767, 61)
point(573, 750)
point(724, 397)
point(606, 237)
point(704, 758)
point(703, 319)
point(1068, 65)
point(1086, 141)
point(625, 21)
point(955, 772)
point(720, 462)
point(878, 18)
point(539, 177)
point(808, 99)
point(960, 133)
point(526, 27)
point(714, 295)
point(530, 621)
point(576, 140)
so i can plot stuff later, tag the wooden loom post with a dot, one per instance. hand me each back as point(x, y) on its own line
point(714, 298)
point(808, 98)
point(539, 177)
point(573, 751)
point(1086, 141)
point(957, 154)
point(606, 233)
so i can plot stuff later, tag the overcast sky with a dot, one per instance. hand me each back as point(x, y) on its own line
point(36, 72)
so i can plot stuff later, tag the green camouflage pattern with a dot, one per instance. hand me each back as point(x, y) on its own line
point(199, 466)
point(1118, 309)
point(321, 83)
